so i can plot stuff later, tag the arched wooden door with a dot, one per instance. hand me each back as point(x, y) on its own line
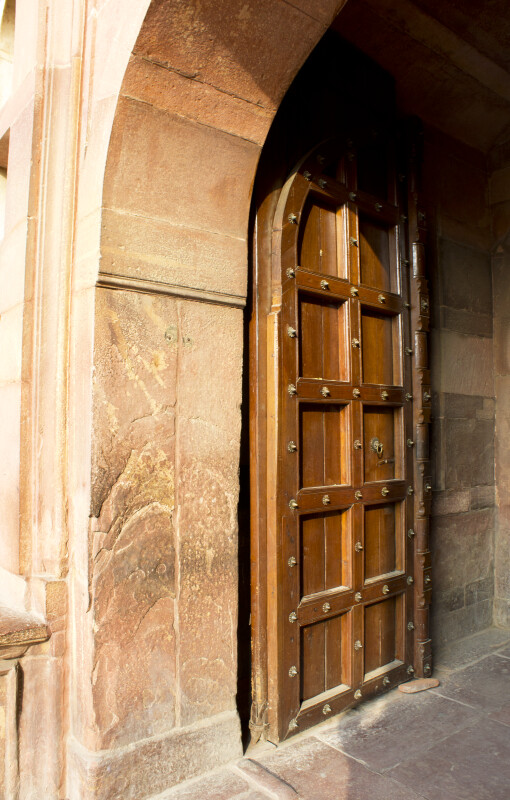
point(341, 558)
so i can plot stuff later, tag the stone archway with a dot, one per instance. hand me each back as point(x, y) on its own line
point(157, 676)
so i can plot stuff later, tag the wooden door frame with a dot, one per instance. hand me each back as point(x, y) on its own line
point(266, 294)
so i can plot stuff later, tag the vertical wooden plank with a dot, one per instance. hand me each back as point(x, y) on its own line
point(374, 246)
point(311, 445)
point(380, 540)
point(312, 554)
point(310, 238)
point(333, 653)
point(334, 534)
point(377, 344)
point(328, 244)
point(312, 660)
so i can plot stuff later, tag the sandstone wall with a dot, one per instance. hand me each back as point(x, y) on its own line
point(462, 447)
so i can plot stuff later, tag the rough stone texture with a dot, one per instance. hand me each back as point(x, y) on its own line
point(155, 764)
point(222, 786)
point(133, 548)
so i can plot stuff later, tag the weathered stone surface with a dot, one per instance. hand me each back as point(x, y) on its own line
point(312, 768)
point(448, 599)
point(247, 57)
point(172, 91)
point(455, 319)
point(462, 548)
point(133, 548)
point(467, 278)
point(461, 406)
point(157, 250)
point(208, 438)
point(155, 764)
point(501, 345)
point(451, 502)
point(418, 685)
point(463, 622)
point(395, 728)
point(222, 786)
point(469, 453)
point(474, 762)
point(455, 655)
point(215, 190)
point(462, 364)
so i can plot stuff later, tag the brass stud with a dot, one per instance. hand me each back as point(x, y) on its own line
point(410, 670)
point(352, 196)
point(428, 488)
point(410, 443)
point(291, 389)
point(358, 547)
point(411, 534)
point(406, 262)
point(326, 501)
point(307, 175)
point(293, 725)
point(356, 393)
point(293, 505)
point(325, 391)
point(427, 397)
point(410, 626)
point(358, 495)
point(381, 298)
point(321, 159)
point(428, 579)
point(292, 332)
point(378, 207)
point(326, 709)
point(410, 490)
point(421, 216)
point(384, 394)
point(403, 218)
point(357, 695)
point(322, 183)
point(292, 447)
point(409, 397)
point(292, 616)
point(410, 580)
point(385, 589)
point(292, 561)
point(292, 219)
point(426, 669)
point(424, 304)
point(326, 607)
point(354, 291)
point(407, 305)
point(357, 645)
point(293, 672)
point(324, 285)
point(358, 597)
point(291, 273)
point(355, 342)
point(409, 351)
point(357, 444)
point(385, 491)
point(353, 241)
point(386, 681)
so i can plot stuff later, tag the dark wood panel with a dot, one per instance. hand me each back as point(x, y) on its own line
point(377, 347)
point(321, 248)
point(380, 541)
point(325, 551)
point(323, 334)
point(380, 628)
point(375, 257)
point(324, 444)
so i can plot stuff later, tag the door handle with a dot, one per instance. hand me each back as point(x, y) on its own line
point(377, 446)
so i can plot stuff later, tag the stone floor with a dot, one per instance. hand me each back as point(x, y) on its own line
point(449, 743)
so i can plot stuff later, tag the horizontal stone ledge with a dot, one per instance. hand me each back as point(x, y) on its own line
point(108, 281)
point(20, 628)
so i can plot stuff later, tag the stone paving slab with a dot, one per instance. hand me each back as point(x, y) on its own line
point(223, 785)
point(396, 727)
point(484, 685)
point(320, 772)
point(473, 764)
point(455, 655)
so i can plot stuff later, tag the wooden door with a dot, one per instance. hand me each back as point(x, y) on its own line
point(343, 601)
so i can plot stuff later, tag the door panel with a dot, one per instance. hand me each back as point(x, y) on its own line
point(324, 446)
point(339, 419)
point(322, 336)
point(325, 552)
